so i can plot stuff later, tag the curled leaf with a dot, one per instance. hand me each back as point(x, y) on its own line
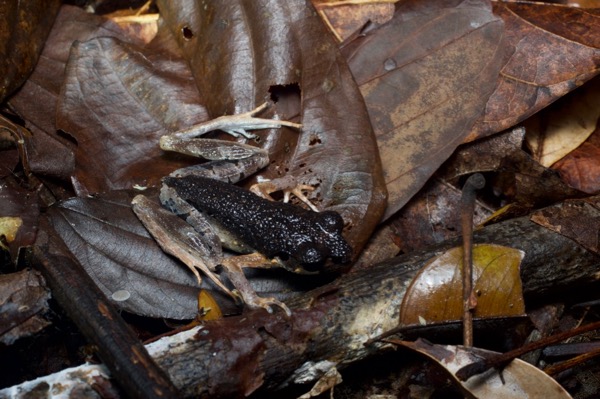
point(518, 380)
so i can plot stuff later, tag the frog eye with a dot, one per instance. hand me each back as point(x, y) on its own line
point(333, 222)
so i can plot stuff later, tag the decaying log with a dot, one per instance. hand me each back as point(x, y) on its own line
point(238, 355)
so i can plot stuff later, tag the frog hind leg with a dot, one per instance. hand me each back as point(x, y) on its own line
point(234, 268)
point(182, 240)
point(230, 162)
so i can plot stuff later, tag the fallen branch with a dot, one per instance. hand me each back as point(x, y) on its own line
point(330, 325)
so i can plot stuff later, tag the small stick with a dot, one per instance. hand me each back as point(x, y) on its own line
point(567, 364)
point(118, 347)
point(503, 359)
point(467, 207)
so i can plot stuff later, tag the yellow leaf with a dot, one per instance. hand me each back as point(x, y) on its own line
point(435, 294)
point(208, 309)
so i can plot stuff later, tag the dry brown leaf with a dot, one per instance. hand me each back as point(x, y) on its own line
point(24, 26)
point(431, 217)
point(576, 219)
point(117, 101)
point(287, 55)
point(344, 17)
point(580, 169)
point(23, 302)
point(426, 88)
point(48, 152)
point(556, 49)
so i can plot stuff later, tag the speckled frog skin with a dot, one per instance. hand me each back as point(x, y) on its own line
point(275, 229)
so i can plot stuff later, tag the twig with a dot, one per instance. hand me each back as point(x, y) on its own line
point(503, 359)
point(100, 322)
point(567, 364)
point(467, 206)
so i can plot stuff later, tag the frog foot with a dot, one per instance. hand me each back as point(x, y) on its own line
point(288, 185)
point(236, 125)
point(234, 269)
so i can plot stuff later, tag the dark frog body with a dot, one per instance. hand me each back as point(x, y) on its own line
point(275, 229)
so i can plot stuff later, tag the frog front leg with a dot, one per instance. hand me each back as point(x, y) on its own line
point(185, 142)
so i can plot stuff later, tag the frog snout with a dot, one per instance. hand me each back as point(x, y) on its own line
point(313, 256)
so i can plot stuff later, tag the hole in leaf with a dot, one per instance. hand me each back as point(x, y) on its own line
point(187, 33)
point(314, 140)
point(283, 92)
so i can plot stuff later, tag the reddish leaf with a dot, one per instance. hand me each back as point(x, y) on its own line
point(580, 169)
point(557, 48)
point(426, 88)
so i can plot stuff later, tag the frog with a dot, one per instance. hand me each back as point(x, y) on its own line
point(202, 211)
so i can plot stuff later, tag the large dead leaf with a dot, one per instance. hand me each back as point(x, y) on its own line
point(24, 26)
point(242, 52)
point(122, 259)
point(115, 249)
point(117, 101)
point(425, 88)
point(517, 380)
point(49, 153)
point(435, 294)
point(557, 48)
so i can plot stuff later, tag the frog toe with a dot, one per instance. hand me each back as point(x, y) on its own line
point(268, 303)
